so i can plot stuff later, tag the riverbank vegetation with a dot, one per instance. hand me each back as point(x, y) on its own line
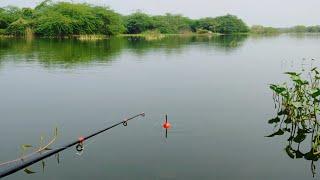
point(85, 21)
point(297, 114)
point(63, 19)
point(258, 29)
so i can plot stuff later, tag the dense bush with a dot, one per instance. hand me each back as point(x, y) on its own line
point(208, 24)
point(138, 22)
point(66, 19)
point(171, 24)
point(228, 24)
point(313, 29)
point(55, 24)
point(8, 15)
point(62, 19)
point(18, 28)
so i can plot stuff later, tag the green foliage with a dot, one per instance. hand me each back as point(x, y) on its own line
point(27, 13)
point(18, 28)
point(138, 22)
point(302, 29)
point(171, 24)
point(313, 29)
point(8, 15)
point(257, 29)
point(298, 108)
point(299, 29)
point(227, 24)
point(65, 19)
point(230, 24)
point(2, 31)
point(208, 24)
point(59, 19)
point(54, 24)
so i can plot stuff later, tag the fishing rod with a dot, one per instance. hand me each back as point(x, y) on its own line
point(23, 163)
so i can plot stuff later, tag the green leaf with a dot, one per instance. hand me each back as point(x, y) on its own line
point(277, 88)
point(315, 92)
point(287, 120)
point(274, 120)
point(315, 70)
point(297, 104)
point(289, 151)
point(299, 154)
point(310, 156)
point(301, 136)
point(278, 133)
point(26, 146)
point(282, 112)
point(28, 171)
point(292, 73)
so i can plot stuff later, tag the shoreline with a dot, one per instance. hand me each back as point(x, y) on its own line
point(101, 37)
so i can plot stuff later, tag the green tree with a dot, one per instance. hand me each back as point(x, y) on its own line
point(171, 24)
point(8, 15)
point(138, 22)
point(230, 24)
point(209, 24)
point(18, 28)
point(299, 29)
point(65, 19)
point(54, 24)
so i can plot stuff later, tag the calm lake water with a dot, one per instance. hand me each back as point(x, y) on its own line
point(215, 91)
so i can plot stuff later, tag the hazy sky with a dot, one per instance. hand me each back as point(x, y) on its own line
point(278, 13)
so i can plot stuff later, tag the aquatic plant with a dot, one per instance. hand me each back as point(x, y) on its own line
point(42, 148)
point(298, 109)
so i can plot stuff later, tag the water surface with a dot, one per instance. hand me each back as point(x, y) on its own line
point(214, 89)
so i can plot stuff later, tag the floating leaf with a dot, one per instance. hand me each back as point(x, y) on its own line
point(28, 171)
point(278, 133)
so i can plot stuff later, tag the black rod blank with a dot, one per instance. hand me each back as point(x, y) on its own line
point(27, 162)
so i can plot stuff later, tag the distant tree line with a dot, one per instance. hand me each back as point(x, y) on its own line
point(303, 29)
point(258, 29)
point(60, 19)
point(174, 24)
